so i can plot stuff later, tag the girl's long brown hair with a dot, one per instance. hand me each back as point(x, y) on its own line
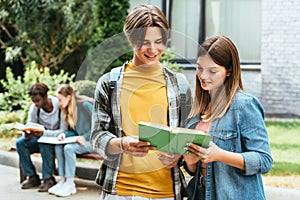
point(223, 52)
point(69, 113)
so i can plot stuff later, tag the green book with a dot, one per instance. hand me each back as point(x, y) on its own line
point(171, 140)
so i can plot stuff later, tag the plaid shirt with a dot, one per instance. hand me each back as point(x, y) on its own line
point(107, 125)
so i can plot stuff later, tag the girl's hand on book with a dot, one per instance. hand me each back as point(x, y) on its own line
point(206, 155)
point(61, 136)
point(169, 160)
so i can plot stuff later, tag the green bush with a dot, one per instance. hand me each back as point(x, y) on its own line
point(6, 131)
point(7, 117)
point(15, 96)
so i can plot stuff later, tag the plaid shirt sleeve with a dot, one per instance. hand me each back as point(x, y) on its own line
point(102, 132)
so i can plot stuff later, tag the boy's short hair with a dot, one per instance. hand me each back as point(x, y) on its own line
point(38, 89)
point(142, 17)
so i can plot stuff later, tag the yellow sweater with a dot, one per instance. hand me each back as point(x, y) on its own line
point(143, 98)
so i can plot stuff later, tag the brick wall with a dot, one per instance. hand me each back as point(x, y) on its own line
point(280, 59)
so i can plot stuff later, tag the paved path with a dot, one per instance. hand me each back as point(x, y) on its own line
point(10, 187)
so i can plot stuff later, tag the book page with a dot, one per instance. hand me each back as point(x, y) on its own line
point(158, 126)
point(186, 130)
point(54, 140)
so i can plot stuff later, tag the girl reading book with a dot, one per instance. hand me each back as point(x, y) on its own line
point(239, 151)
point(77, 111)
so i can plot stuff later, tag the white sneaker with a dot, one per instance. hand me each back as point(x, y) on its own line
point(56, 187)
point(67, 189)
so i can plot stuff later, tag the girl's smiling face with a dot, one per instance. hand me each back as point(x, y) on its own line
point(210, 74)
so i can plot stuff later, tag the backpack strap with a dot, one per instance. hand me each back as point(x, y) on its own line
point(38, 115)
point(182, 83)
point(114, 76)
point(183, 89)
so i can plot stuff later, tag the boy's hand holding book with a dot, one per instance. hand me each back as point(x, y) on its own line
point(28, 134)
point(132, 145)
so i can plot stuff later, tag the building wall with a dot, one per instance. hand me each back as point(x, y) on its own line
point(276, 82)
point(280, 58)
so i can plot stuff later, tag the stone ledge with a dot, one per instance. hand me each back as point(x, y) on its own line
point(83, 171)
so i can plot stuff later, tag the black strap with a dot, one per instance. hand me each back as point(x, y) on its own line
point(59, 111)
point(38, 115)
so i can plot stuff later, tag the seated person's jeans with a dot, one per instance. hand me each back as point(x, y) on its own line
point(26, 146)
point(66, 157)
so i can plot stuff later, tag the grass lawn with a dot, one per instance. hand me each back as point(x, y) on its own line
point(284, 137)
point(284, 140)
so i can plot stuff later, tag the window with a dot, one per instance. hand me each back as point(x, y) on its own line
point(240, 20)
point(185, 17)
point(192, 21)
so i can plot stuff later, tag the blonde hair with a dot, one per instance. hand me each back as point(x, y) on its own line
point(69, 112)
point(223, 52)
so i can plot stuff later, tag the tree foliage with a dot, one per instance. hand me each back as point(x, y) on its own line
point(48, 31)
point(109, 18)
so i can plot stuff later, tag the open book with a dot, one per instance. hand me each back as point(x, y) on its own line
point(171, 140)
point(54, 140)
point(30, 126)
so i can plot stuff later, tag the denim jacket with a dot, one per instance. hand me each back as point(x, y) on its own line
point(241, 130)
